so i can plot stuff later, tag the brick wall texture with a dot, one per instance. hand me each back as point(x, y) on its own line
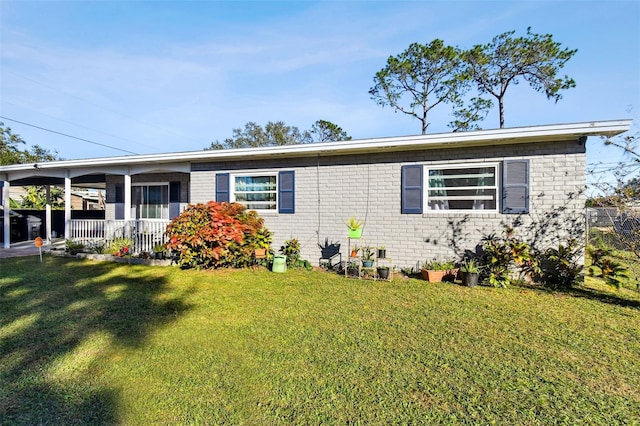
point(331, 189)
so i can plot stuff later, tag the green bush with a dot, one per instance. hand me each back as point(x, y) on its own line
point(119, 247)
point(74, 246)
point(217, 235)
point(561, 266)
point(603, 265)
point(502, 255)
point(291, 249)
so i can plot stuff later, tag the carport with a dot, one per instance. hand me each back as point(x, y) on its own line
point(39, 175)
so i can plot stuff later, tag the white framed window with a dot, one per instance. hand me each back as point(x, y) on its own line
point(461, 187)
point(255, 191)
point(150, 200)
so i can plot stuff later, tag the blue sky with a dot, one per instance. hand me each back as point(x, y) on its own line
point(152, 76)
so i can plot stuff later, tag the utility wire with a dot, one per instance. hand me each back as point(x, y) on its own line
point(68, 136)
point(81, 126)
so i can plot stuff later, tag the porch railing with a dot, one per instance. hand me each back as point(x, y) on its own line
point(144, 234)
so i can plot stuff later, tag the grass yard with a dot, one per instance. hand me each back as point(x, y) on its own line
point(99, 343)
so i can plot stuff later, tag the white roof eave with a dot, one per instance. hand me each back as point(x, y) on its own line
point(515, 135)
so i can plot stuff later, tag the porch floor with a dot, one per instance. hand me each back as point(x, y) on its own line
point(27, 248)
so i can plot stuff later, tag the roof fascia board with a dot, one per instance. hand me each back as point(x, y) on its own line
point(402, 143)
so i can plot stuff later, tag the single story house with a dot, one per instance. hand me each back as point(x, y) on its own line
point(422, 197)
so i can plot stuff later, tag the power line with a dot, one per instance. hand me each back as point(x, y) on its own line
point(68, 136)
point(81, 126)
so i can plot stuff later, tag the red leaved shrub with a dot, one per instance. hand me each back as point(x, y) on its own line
point(217, 235)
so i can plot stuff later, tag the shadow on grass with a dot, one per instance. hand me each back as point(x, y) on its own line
point(603, 297)
point(588, 293)
point(51, 313)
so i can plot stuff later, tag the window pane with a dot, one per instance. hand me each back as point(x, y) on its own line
point(256, 192)
point(255, 183)
point(468, 188)
point(451, 178)
point(150, 201)
point(255, 196)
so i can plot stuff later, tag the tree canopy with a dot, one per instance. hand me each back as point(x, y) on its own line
point(326, 131)
point(36, 198)
point(425, 76)
point(419, 79)
point(278, 133)
point(535, 58)
point(11, 152)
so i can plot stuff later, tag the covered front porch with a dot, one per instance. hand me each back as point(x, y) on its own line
point(143, 234)
point(141, 199)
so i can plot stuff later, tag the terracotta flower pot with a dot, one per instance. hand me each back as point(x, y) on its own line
point(433, 276)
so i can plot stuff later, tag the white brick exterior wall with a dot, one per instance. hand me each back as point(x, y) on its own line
point(329, 190)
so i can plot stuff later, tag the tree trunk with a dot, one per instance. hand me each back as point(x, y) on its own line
point(424, 122)
point(501, 104)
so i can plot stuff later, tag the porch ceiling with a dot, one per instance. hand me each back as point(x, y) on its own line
point(96, 181)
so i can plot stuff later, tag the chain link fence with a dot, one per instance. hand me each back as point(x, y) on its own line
point(619, 230)
point(608, 225)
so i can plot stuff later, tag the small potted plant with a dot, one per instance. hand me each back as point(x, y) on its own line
point(73, 247)
point(355, 227)
point(354, 251)
point(382, 252)
point(352, 269)
point(451, 272)
point(367, 257)
point(158, 251)
point(383, 272)
point(470, 272)
point(329, 249)
point(437, 271)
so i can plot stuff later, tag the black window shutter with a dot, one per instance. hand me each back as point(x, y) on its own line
point(222, 187)
point(119, 193)
point(174, 199)
point(412, 189)
point(515, 186)
point(119, 200)
point(174, 192)
point(286, 192)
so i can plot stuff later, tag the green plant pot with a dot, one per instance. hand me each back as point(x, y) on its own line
point(367, 263)
point(279, 263)
point(355, 233)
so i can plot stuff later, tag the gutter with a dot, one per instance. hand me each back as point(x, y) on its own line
point(515, 135)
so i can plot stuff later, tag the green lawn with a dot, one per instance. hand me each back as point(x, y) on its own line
point(100, 343)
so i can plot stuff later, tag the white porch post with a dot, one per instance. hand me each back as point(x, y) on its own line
point(67, 207)
point(127, 197)
point(47, 217)
point(127, 204)
point(7, 217)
